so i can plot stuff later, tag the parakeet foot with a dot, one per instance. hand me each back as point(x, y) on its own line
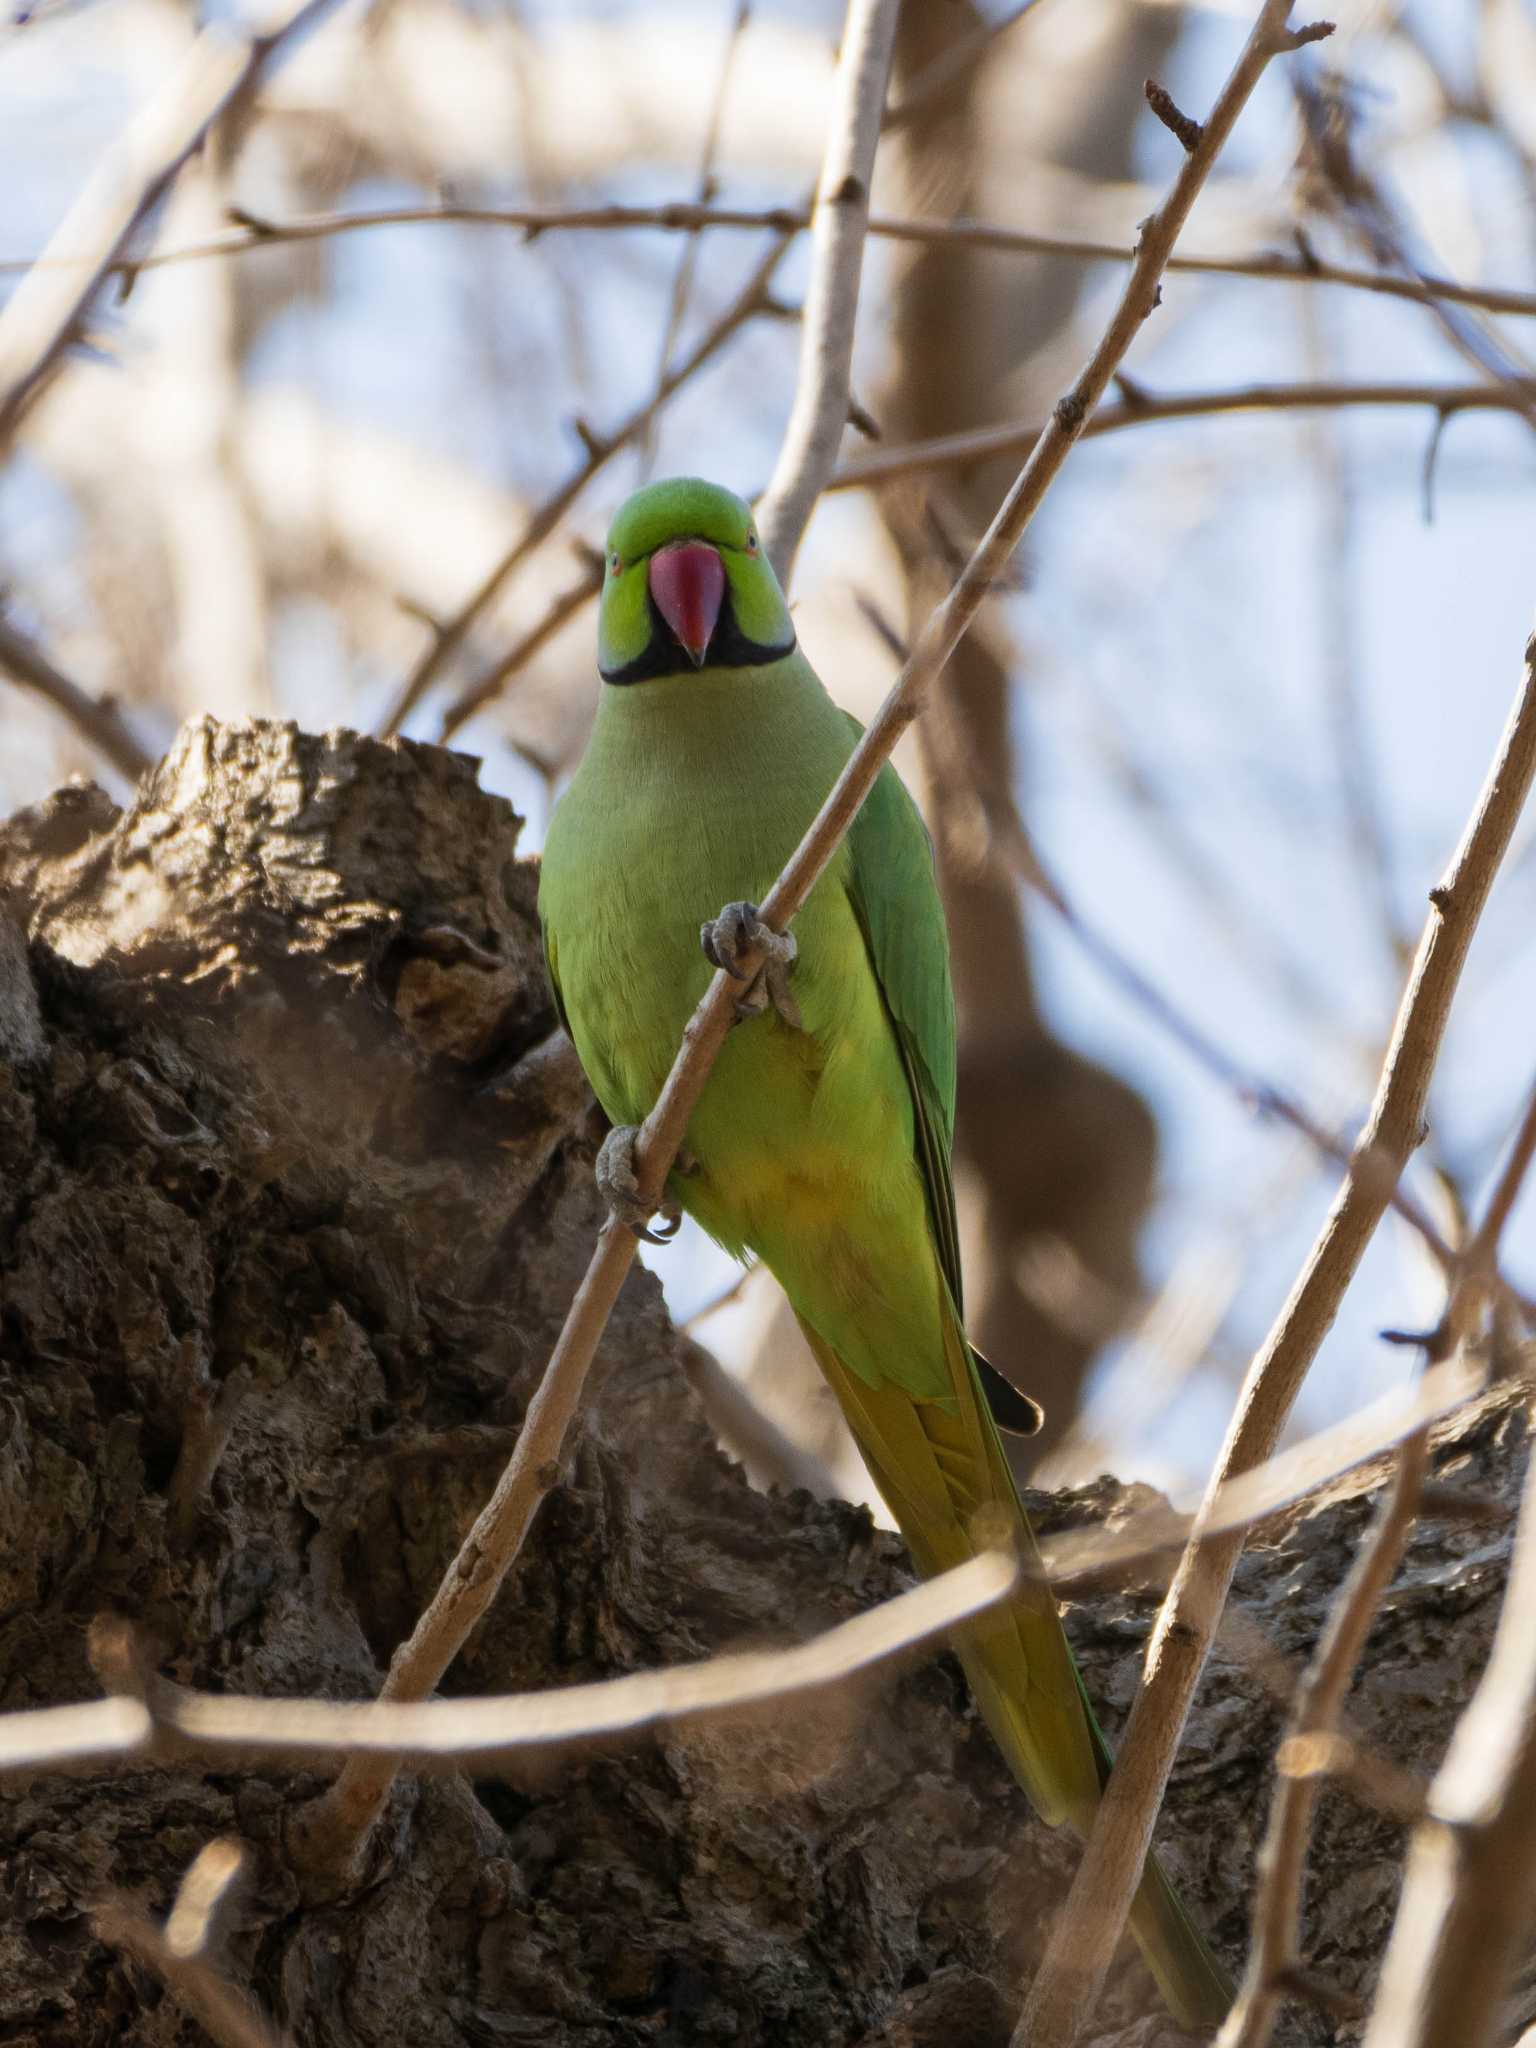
point(619, 1186)
point(739, 930)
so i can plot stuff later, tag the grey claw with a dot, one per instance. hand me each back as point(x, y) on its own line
point(619, 1186)
point(738, 931)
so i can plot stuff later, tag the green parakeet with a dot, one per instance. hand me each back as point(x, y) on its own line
point(822, 1140)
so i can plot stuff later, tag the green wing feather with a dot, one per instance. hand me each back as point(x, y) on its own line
point(896, 900)
point(897, 904)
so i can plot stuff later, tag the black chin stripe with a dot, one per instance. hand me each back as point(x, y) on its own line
point(664, 654)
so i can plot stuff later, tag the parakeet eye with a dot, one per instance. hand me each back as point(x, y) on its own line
point(614, 564)
point(751, 543)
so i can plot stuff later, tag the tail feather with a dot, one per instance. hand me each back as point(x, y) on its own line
point(938, 1470)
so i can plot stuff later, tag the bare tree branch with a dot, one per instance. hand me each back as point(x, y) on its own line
point(885, 465)
point(98, 721)
point(964, 54)
point(175, 1954)
point(476, 695)
point(1274, 1953)
point(44, 314)
point(686, 216)
point(1471, 1878)
point(1470, 1886)
point(1086, 1934)
point(688, 261)
point(819, 415)
point(154, 1720)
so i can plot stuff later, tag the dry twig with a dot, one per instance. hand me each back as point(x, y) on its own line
point(149, 1718)
point(980, 444)
point(686, 216)
point(1090, 1925)
point(176, 1953)
point(819, 415)
point(96, 719)
point(1470, 1886)
point(474, 697)
point(44, 314)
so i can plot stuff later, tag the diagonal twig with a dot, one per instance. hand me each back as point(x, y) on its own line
point(1089, 1927)
point(1283, 1854)
point(1471, 1874)
point(159, 1721)
point(1275, 1948)
point(688, 261)
point(44, 314)
point(820, 411)
point(176, 1953)
point(1470, 1884)
point(474, 697)
point(330, 1834)
point(96, 719)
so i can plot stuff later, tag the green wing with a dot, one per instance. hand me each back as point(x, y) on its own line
point(896, 900)
point(552, 976)
point(895, 897)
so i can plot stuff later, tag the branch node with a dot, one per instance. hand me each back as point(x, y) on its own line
point(1070, 413)
point(255, 224)
point(1310, 32)
point(1440, 896)
point(1443, 415)
point(849, 192)
point(422, 613)
point(863, 421)
point(1180, 125)
point(596, 446)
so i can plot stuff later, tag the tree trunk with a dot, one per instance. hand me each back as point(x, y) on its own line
point(288, 1220)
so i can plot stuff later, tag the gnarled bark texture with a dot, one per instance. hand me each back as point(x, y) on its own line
point(290, 1209)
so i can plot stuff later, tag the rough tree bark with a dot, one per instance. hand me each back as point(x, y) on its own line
point(277, 1177)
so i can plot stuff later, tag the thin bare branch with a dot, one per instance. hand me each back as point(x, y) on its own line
point(771, 1457)
point(1470, 1886)
point(980, 444)
point(38, 1738)
point(1275, 1950)
point(688, 261)
point(205, 1888)
point(1086, 1934)
point(450, 636)
point(95, 719)
point(476, 695)
point(1282, 1856)
point(686, 216)
point(175, 1954)
point(946, 71)
point(45, 312)
point(212, 1725)
point(155, 1721)
point(330, 1833)
point(819, 415)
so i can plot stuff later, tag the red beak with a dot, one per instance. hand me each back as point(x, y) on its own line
point(688, 583)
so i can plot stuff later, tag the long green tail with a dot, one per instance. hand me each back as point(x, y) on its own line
point(940, 1473)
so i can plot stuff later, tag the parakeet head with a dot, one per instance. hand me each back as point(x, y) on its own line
point(687, 586)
